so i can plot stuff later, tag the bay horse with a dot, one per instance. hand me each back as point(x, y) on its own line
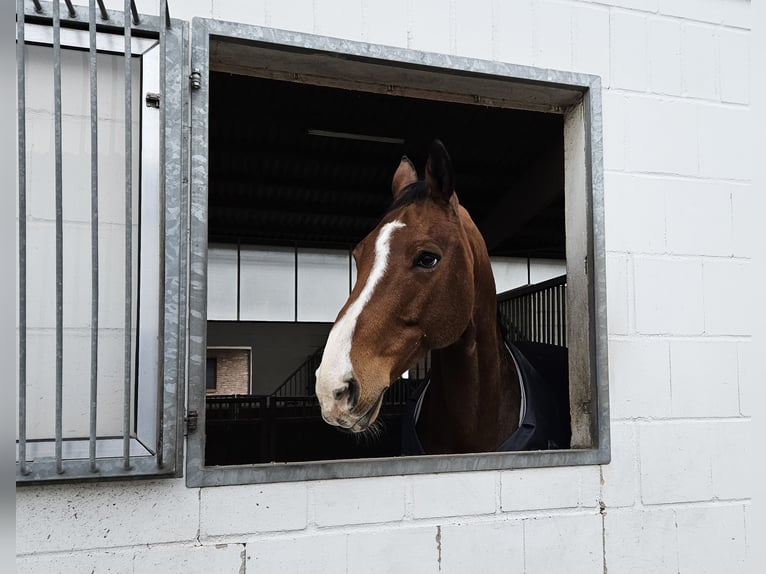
point(424, 284)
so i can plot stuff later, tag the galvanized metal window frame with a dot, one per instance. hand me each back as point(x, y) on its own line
point(163, 43)
point(271, 53)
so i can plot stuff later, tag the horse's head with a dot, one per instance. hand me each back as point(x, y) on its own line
point(414, 292)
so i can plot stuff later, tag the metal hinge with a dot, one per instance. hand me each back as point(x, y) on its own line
point(191, 420)
point(152, 100)
point(195, 79)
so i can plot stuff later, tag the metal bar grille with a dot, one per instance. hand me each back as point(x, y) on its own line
point(535, 313)
point(126, 422)
point(59, 234)
point(60, 442)
point(93, 71)
point(22, 163)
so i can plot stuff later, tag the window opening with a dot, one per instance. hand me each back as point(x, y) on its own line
point(287, 202)
point(315, 174)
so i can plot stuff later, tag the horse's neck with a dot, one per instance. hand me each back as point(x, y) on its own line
point(472, 404)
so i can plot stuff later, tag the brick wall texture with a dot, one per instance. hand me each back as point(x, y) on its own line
point(680, 232)
point(232, 371)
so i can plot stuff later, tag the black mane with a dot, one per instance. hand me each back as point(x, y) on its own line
point(410, 194)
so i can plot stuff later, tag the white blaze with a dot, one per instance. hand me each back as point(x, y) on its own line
point(336, 361)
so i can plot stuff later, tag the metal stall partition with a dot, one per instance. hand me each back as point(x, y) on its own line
point(102, 218)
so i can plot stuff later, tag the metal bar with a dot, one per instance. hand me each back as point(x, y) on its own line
point(59, 233)
point(70, 8)
point(38, 7)
point(134, 11)
point(102, 9)
point(22, 160)
point(128, 237)
point(93, 232)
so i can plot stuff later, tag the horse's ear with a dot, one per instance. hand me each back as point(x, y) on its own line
point(440, 177)
point(405, 175)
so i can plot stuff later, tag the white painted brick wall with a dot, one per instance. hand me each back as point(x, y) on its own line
point(338, 502)
point(669, 296)
point(711, 539)
point(454, 494)
point(537, 489)
point(639, 378)
point(680, 224)
point(640, 540)
point(241, 509)
point(704, 379)
point(483, 547)
point(567, 541)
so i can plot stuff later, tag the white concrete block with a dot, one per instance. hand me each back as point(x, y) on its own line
point(641, 541)
point(629, 51)
point(339, 19)
point(484, 547)
point(751, 373)
point(385, 22)
point(105, 514)
point(711, 540)
point(665, 56)
point(590, 41)
point(94, 561)
point(462, 493)
point(738, 14)
point(614, 109)
point(699, 218)
point(699, 58)
point(390, 551)
point(544, 488)
point(703, 10)
point(620, 476)
point(246, 509)
point(188, 9)
point(733, 443)
point(314, 553)
point(704, 379)
point(553, 541)
point(745, 223)
point(513, 35)
point(675, 462)
point(734, 57)
point(297, 15)
point(661, 135)
point(645, 5)
point(729, 293)
point(725, 142)
point(430, 26)
point(473, 29)
point(252, 12)
point(219, 558)
point(618, 293)
point(553, 35)
point(668, 296)
point(634, 209)
point(639, 379)
point(359, 501)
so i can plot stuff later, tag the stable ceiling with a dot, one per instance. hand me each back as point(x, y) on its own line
point(272, 182)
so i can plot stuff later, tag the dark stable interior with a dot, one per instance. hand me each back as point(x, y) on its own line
point(297, 164)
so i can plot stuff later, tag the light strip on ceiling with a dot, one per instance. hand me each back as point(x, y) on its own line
point(356, 137)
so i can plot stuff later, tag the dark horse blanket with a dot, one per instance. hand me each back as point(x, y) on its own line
point(545, 422)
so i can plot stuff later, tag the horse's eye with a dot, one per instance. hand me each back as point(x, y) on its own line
point(426, 260)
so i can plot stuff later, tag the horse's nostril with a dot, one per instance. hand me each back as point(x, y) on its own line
point(340, 392)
